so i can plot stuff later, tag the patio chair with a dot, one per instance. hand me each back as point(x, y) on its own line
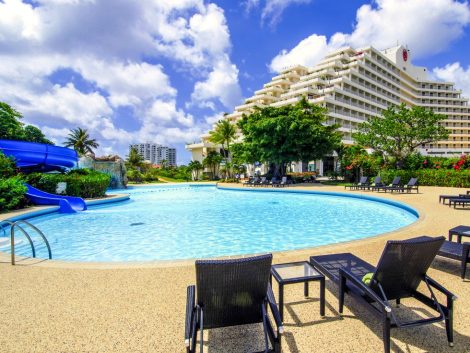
point(363, 182)
point(395, 184)
point(376, 184)
point(230, 293)
point(401, 269)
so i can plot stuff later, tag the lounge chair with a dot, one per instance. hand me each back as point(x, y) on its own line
point(260, 182)
point(401, 269)
point(461, 201)
point(229, 293)
point(363, 182)
point(248, 182)
point(410, 186)
point(456, 251)
point(376, 184)
point(393, 186)
point(275, 182)
point(443, 198)
point(284, 181)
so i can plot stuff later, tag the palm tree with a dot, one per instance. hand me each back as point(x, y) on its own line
point(224, 134)
point(134, 159)
point(195, 167)
point(212, 161)
point(81, 142)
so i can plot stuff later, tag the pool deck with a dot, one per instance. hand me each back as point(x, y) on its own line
point(53, 306)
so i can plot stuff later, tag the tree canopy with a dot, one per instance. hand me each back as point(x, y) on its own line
point(134, 159)
point(79, 139)
point(212, 161)
point(281, 135)
point(400, 131)
point(11, 127)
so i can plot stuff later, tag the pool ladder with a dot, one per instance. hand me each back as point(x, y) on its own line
point(20, 226)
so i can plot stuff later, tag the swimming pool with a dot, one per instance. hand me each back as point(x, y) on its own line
point(185, 222)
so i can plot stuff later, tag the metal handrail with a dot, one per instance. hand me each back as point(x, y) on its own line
point(12, 239)
point(12, 236)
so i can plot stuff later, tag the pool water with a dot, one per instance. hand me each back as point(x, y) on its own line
point(184, 222)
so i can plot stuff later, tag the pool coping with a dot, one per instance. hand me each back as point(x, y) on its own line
point(421, 216)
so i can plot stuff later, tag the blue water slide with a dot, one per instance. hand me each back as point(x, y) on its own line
point(67, 204)
point(39, 156)
point(31, 156)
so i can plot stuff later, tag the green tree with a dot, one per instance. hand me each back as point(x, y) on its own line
point(195, 167)
point(33, 134)
point(134, 159)
point(224, 134)
point(400, 131)
point(281, 135)
point(212, 161)
point(11, 128)
point(81, 142)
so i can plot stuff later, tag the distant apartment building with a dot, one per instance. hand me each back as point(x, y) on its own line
point(155, 153)
point(356, 84)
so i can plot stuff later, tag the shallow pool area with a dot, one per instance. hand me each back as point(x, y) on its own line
point(184, 222)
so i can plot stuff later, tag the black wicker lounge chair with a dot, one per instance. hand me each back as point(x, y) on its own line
point(229, 293)
point(275, 182)
point(376, 184)
point(363, 182)
point(401, 268)
point(393, 186)
point(456, 251)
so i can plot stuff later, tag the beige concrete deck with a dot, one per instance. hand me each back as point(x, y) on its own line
point(50, 306)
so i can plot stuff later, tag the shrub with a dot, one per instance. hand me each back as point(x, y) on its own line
point(80, 183)
point(12, 192)
point(7, 166)
point(135, 176)
point(430, 177)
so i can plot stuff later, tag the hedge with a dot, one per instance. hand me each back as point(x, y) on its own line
point(82, 183)
point(12, 192)
point(430, 177)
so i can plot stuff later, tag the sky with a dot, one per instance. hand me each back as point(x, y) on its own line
point(165, 71)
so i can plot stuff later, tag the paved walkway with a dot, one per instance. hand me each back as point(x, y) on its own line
point(48, 306)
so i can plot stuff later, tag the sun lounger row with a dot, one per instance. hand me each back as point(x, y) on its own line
point(238, 291)
point(456, 200)
point(396, 186)
point(263, 181)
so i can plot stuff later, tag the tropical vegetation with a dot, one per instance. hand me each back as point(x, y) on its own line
point(79, 139)
point(224, 134)
point(400, 131)
point(11, 127)
point(281, 135)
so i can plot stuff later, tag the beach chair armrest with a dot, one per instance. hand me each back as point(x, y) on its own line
point(275, 310)
point(190, 315)
point(440, 288)
point(367, 290)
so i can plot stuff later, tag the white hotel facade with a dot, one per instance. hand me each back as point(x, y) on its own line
point(356, 84)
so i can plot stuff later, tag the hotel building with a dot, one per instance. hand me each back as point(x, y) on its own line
point(155, 153)
point(356, 84)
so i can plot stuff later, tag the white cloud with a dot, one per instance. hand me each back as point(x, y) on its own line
point(273, 9)
point(221, 84)
point(455, 73)
point(68, 63)
point(428, 27)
